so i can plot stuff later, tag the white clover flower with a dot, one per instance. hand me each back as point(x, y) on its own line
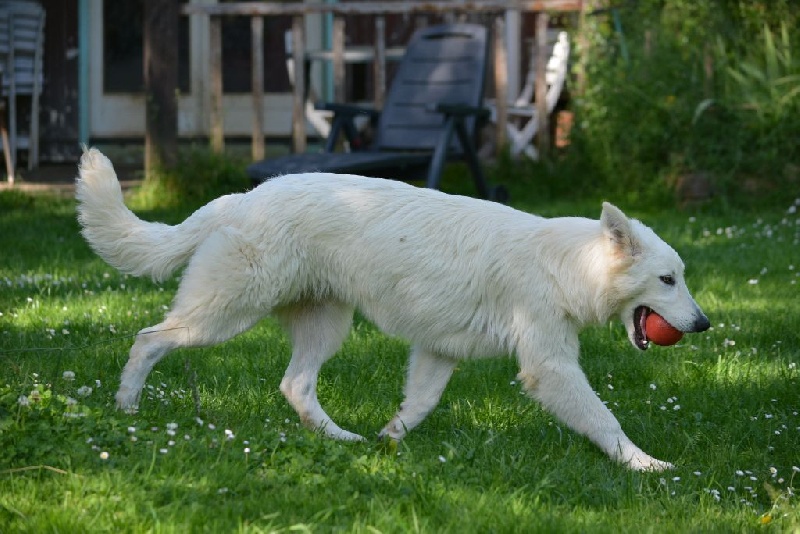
point(104, 455)
point(172, 426)
point(23, 401)
point(68, 375)
point(84, 391)
point(247, 450)
point(442, 459)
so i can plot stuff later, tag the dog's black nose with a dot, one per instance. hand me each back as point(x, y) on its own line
point(701, 324)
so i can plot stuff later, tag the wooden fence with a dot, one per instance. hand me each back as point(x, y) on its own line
point(298, 11)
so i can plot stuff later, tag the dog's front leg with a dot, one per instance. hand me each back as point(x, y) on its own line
point(562, 388)
point(428, 374)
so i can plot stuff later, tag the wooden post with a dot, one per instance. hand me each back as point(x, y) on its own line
point(338, 58)
point(217, 127)
point(379, 65)
point(500, 83)
point(299, 97)
point(257, 30)
point(161, 83)
point(543, 131)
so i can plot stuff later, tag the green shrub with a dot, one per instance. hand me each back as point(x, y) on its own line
point(199, 176)
point(702, 87)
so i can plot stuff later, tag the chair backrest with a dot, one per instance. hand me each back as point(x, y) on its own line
point(443, 64)
point(22, 45)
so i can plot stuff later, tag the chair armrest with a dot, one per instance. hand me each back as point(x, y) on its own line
point(460, 110)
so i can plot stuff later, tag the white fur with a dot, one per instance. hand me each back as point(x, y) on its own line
point(458, 277)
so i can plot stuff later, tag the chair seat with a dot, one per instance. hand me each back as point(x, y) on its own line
point(372, 164)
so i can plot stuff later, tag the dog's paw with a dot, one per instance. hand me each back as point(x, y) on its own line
point(395, 430)
point(648, 463)
point(127, 402)
point(344, 435)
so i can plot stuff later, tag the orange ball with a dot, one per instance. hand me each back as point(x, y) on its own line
point(660, 332)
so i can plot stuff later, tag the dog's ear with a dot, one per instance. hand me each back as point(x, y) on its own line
point(619, 230)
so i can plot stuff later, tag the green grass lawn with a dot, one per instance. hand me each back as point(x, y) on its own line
point(722, 405)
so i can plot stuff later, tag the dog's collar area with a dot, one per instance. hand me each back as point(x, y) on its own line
point(639, 328)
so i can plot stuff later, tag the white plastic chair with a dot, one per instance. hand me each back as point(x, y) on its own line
point(523, 119)
point(21, 53)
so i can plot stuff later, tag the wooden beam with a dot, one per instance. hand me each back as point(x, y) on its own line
point(379, 66)
point(380, 8)
point(217, 127)
point(540, 92)
point(257, 32)
point(299, 100)
point(500, 83)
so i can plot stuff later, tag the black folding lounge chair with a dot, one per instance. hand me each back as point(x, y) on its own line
point(437, 92)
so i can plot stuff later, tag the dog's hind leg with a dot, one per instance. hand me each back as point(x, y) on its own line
point(428, 374)
point(154, 343)
point(214, 303)
point(317, 330)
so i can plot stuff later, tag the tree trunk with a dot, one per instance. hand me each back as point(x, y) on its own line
point(161, 84)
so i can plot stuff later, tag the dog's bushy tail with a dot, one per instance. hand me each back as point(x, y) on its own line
point(117, 235)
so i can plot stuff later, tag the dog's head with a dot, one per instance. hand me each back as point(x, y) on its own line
point(647, 275)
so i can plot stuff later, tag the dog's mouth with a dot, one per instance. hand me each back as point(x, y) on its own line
point(639, 329)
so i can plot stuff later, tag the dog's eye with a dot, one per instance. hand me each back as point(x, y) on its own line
point(667, 279)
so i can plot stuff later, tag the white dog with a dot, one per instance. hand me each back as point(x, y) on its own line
point(458, 277)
